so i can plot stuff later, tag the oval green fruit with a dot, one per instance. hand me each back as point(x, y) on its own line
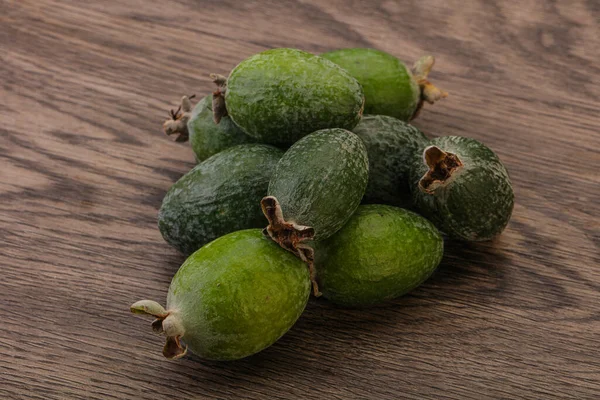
point(390, 87)
point(198, 125)
point(321, 179)
point(232, 298)
point(220, 195)
point(281, 95)
point(317, 185)
point(208, 138)
point(381, 253)
point(391, 146)
point(463, 188)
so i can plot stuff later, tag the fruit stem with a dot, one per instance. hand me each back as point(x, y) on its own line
point(290, 236)
point(177, 123)
point(166, 322)
point(218, 100)
point(442, 166)
point(429, 92)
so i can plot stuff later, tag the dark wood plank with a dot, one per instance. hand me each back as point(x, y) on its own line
point(85, 86)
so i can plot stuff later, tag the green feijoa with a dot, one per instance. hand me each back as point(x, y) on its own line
point(390, 87)
point(232, 298)
point(220, 195)
point(207, 137)
point(281, 95)
point(316, 186)
point(391, 146)
point(320, 180)
point(381, 253)
point(461, 185)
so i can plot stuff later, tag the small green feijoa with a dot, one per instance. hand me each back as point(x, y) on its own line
point(220, 195)
point(463, 188)
point(281, 95)
point(316, 186)
point(381, 253)
point(390, 87)
point(391, 146)
point(206, 137)
point(232, 298)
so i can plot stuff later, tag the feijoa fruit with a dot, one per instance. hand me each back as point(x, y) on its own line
point(317, 185)
point(390, 87)
point(391, 146)
point(232, 298)
point(281, 95)
point(381, 253)
point(220, 195)
point(463, 188)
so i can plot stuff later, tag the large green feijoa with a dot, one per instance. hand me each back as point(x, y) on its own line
point(390, 87)
point(463, 188)
point(391, 145)
point(206, 137)
point(281, 95)
point(316, 186)
point(381, 253)
point(232, 298)
point(220, 195)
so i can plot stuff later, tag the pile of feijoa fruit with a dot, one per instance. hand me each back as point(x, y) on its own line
point(309, 176)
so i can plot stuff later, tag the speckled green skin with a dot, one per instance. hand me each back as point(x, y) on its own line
point(220, 195)
point(237, 295)
point(477, 201)
point(281, 95)
point(321, 179)
point(391, 145)
point(381, 253)
point(208, 138)
point(389, 86)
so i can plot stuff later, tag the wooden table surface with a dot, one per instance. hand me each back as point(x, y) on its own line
point(84, 167)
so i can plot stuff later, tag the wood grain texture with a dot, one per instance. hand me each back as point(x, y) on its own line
point(84, 166)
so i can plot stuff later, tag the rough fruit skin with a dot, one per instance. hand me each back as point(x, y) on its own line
point(381, 253)
point(237, 295)
point(208, 138)
point(477, 201)
point(388, 85)
point(321, 179)
point(391, 145)
point(220, 195)
point(281, 95)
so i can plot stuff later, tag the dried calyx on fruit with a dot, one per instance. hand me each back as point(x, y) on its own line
point(177, 123)
point(166, 323)
point(428, 92)
point(463, 188)
point(441, 165)
point(218, 97)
